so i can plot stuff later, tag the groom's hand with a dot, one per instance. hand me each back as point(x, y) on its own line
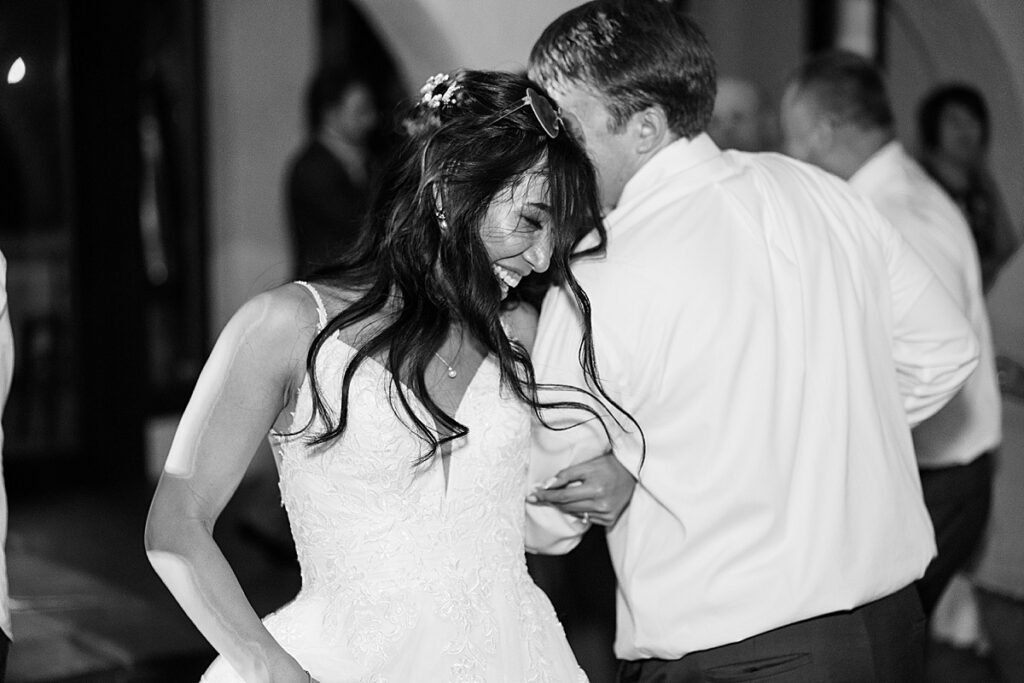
point(596, 491)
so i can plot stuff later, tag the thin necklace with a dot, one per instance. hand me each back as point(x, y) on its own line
point(452, 373)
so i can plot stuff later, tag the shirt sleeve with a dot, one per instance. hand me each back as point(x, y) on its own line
point(570, 435)
point(929, 233)
point(934, 346)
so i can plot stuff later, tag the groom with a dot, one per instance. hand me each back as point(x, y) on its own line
point(774, 338)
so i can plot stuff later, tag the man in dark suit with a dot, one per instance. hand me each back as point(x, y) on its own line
point(328, 179)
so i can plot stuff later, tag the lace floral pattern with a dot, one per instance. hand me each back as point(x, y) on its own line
point(405, 578)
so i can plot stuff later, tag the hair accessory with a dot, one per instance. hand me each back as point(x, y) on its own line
point(546, 116)
point(442, 219)
point(433, 96)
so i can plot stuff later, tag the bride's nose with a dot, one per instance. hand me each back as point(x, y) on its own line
point(539, 253)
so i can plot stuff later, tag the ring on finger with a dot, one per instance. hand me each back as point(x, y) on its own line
point(585, 518)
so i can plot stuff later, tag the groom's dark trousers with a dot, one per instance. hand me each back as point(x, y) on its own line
point(880, 642)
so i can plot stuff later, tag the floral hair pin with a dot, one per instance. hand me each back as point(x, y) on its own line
point(433, 96)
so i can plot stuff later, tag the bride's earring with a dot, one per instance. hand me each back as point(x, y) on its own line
point(442, 219)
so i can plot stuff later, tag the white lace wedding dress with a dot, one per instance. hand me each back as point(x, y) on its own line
point(405, 578)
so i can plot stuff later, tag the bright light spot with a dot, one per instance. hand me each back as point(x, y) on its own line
point(17, 71)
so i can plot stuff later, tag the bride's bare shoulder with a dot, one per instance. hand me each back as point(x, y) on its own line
point(274, 329)
point(292, 305)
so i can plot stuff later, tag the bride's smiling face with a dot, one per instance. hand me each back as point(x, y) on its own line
point(516, 231)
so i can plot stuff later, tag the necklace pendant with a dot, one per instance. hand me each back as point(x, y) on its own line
point(452, 374)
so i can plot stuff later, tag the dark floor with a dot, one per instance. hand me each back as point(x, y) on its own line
point(88, 608)
point(86, 604)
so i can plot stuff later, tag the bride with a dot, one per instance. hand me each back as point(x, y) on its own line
point(397, 392)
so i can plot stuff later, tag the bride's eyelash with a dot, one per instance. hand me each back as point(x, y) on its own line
point(534, 223)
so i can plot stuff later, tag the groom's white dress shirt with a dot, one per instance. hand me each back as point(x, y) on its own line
point(775, 338)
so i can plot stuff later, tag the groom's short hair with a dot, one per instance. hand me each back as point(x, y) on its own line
point(632, 54)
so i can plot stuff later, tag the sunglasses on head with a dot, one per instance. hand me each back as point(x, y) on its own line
point(545, 114)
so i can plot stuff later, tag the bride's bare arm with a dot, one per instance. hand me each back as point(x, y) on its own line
point(247, 381)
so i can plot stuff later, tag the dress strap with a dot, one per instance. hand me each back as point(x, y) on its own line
point(321, 310)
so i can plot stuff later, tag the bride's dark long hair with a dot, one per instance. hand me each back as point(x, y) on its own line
point(468, 139)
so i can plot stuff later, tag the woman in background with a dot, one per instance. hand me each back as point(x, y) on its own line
point(397, 391)
point(953, 124)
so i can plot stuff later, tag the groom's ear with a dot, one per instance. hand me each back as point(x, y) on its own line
point(650, 129)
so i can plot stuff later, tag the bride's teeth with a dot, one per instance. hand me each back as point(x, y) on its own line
point(506, 277)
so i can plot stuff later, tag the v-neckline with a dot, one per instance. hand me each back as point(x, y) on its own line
point(443, 455)
point(409, 391)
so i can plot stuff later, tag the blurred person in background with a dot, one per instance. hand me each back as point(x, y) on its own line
point(396, 388)
point(836, 114)
point(329, 179)
point(955, 133)
point(737, 121)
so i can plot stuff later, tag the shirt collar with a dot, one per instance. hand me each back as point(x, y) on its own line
point(875, 171)
point(675, 158)
point(676, 162)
